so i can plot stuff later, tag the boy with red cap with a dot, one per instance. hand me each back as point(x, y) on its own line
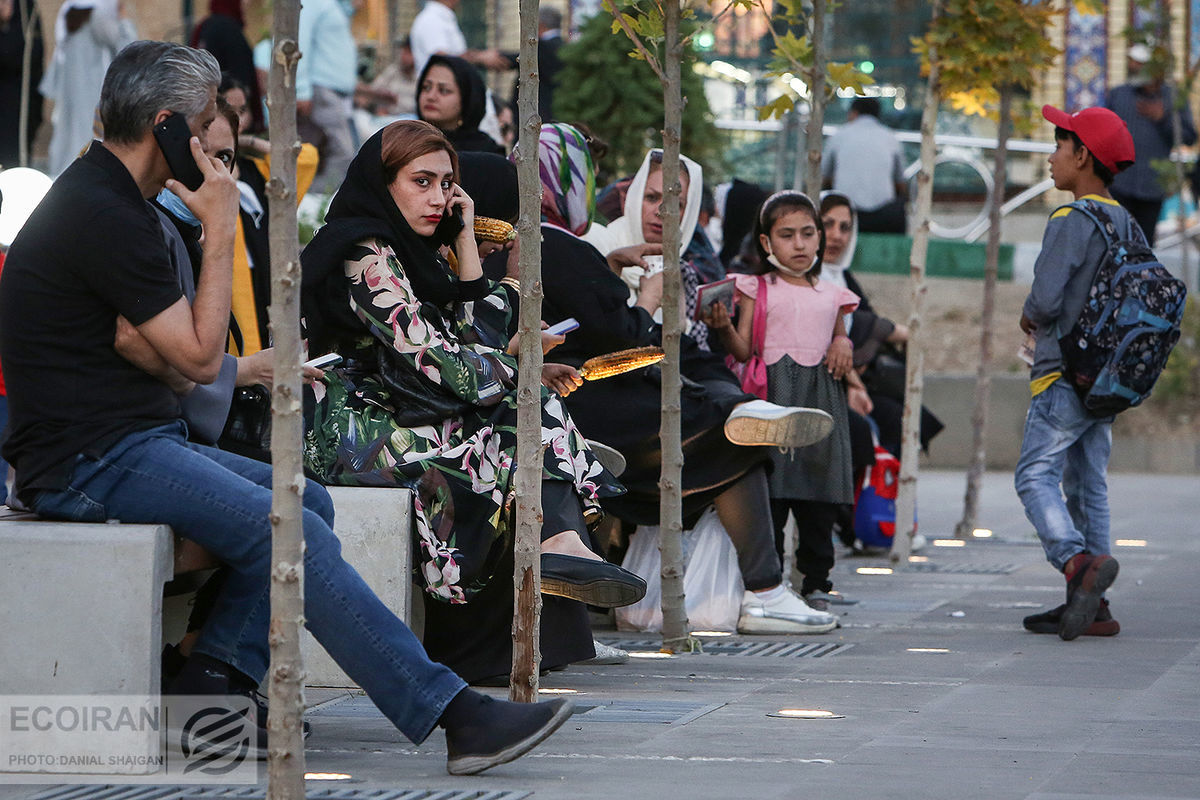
point(1063, 443)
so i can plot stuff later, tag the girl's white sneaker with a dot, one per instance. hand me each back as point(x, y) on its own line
point(781, 610)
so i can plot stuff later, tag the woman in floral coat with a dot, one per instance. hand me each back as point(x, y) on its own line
point(422, 401)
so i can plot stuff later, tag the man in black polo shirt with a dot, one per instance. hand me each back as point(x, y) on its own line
point(98, 342)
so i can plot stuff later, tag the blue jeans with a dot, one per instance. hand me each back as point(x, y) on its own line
point(222, 501)
point(1065, 445)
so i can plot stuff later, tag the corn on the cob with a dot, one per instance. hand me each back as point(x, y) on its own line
point(488, 229)
point(622, 361)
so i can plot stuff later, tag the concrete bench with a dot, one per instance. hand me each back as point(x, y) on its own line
point(81, 605)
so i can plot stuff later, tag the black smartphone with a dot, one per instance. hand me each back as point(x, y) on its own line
point(174, 139)
point(450, 227)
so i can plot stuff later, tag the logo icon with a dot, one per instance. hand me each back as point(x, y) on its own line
point(216, 740)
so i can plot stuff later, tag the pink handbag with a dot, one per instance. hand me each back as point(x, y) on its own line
point(754, 374)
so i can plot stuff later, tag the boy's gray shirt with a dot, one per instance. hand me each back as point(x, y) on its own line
point(1072, 250)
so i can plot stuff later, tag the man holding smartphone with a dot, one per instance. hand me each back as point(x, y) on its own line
point(95, 437)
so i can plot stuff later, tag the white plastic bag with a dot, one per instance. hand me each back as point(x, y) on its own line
point(712, 581)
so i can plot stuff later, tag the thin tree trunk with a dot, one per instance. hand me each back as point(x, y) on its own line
point(675, 623)
point(27, 16)
point(285, 766)
point(527, 577)
point(906, 501)
point(816, 114)
point(782, 148)
point(983, 377)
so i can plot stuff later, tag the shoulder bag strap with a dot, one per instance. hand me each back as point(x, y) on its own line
point(758, 328)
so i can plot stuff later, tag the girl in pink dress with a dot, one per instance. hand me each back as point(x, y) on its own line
point(808, 358)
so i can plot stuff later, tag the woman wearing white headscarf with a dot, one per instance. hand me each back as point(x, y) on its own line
point(641, 224)
point(87, 34)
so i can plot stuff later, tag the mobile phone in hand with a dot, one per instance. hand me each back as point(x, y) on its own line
point(450, 227)
point(174, 140)
point(566, 326)
point(324, 362)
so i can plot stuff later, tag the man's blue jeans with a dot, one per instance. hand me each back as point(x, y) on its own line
point(1064, 444)
point(222, 501)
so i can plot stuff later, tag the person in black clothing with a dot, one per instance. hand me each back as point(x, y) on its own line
point(550, 41)
point(223, 34)
point(742, 202)
point(451, 95)
point(14, 18)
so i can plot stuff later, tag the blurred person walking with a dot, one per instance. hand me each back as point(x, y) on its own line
point(863, 161)
point(325, 81)
point(87, 35)
point(1144, 104)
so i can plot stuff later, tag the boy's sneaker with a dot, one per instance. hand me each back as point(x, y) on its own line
point(1088, 577)
point(758, 422)
point(1047, 621)
point(830, 598)
point(781, 610)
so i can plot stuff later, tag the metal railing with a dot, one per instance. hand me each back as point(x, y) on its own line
point(953, 148)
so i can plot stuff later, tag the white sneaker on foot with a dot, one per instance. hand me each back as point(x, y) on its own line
point(781, 611)
point(758, 422)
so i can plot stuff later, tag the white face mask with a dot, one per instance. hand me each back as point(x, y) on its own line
point(795, 273)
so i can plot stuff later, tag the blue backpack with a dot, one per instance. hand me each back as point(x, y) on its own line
point(1119, 345)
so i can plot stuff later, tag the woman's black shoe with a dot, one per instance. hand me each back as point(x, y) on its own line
point(597, 583)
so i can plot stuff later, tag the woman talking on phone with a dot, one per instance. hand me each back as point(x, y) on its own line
point(421, 402)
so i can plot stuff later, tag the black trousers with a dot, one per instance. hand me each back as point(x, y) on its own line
point(814, 539)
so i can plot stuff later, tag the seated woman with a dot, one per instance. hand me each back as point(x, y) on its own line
point(877, 340)
point(451, 95)
point(623, 411)
point(421, 402)
point(641, 223)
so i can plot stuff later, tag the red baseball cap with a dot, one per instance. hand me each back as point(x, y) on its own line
point(1101, 131)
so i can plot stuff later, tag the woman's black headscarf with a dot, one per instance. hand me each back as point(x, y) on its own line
point(741, 204)
point(467, 136)
point(491, 181)
point(363, 209)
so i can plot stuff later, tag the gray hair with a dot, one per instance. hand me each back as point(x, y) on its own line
point(147, 77)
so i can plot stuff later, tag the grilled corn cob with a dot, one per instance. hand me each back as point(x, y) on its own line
point(488, 229)
point(621, 361)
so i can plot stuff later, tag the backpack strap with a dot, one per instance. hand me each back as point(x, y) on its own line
point(1108, 229)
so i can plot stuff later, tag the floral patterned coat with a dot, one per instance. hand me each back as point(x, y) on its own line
point(462, 468)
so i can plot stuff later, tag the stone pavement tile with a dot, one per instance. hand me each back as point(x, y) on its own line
point(940, 772)
point(1126, 776)
point(1152, 737)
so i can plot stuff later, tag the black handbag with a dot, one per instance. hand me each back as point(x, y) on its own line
point(248, 425)
point(886, 375)
point(415, 399)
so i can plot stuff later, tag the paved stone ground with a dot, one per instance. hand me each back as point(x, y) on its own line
point(995, 712)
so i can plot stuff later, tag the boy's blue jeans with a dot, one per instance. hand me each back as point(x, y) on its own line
point(1064, 444)
point(222, 501)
